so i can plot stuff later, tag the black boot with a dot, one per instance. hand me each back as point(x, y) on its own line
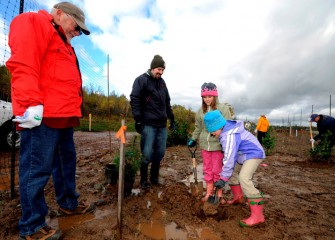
point(154, 173)
point(144, 176)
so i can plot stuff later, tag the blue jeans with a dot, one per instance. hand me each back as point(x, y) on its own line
point(153, 145)
point(44, 152)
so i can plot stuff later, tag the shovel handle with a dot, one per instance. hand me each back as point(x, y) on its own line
point(194, 163)
point(311, 133)
point(194, 169)
point(192, 150)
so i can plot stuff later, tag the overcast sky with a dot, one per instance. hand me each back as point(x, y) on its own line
point(266, 56)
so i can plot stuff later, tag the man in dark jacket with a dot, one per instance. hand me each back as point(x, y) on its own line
point(324, 124)
point(150, 102)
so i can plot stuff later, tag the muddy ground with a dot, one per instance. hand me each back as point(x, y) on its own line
point(299, 198)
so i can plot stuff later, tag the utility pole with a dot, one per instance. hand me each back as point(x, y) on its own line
point(109, 109)
point(21, 6)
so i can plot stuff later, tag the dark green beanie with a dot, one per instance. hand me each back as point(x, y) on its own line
point(157, 62)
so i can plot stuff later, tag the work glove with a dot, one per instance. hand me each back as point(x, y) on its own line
point(191, 143)
point(219, 184)
point(32, 117)
point(172, 126)
point(255, 130)
point(312, 140)
point(139, 127)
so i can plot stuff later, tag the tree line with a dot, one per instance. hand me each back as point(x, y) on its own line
point(112, 107)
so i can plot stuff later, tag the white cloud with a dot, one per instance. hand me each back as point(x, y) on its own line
point(266, 56)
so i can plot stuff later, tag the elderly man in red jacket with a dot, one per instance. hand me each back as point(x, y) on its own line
point(47, 98)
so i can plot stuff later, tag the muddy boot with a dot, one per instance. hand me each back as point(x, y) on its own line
point(256, 217)
point(220, 196)
point(144, 176)
point(237, 194)
point(154, 173)
point(209, 191)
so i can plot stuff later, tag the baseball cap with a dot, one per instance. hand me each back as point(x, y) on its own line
point(77, 14)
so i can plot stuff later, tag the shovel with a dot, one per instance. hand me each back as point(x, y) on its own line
point(196, 187)
point(214, 199)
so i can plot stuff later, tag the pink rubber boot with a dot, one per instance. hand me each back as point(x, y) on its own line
point(238, 195)
point(220, 196)
point(209, 191)
point(256, 217)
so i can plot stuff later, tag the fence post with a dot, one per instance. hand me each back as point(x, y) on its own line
point(89, 122)
point(12, 162)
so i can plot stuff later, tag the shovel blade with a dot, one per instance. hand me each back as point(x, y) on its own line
point(213, 199)
point(196, 189)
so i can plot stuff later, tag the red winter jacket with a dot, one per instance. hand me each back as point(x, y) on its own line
point(44, 68)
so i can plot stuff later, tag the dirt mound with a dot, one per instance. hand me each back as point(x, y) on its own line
point(298, 197)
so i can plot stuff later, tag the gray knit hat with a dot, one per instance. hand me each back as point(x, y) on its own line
point(156, 62)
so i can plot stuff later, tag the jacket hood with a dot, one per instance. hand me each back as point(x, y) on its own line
point(236, 125)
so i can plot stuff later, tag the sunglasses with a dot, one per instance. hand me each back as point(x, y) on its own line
point(76, 28)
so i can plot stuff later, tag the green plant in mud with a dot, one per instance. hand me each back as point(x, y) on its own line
point(132, 164)
point(269, 142)
point(132, 158)
point(322, 150)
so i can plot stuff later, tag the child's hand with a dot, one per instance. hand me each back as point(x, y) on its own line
point(191, 143)
point(220, 184)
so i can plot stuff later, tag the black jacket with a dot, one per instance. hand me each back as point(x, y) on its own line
point(324, 124)
point(150, 101)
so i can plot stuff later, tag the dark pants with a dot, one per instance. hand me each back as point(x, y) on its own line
point(260, 136)
point(153, 145)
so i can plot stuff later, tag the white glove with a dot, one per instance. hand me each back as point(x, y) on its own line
point(255, 130)
point(312, 140)
point(32, 117)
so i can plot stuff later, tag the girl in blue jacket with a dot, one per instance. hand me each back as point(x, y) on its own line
point(240, 147)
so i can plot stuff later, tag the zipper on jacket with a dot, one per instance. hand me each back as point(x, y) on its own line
point(208, 145)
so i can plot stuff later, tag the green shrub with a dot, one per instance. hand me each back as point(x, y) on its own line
point(269, 142)
point(323, 149)
point(132, 159)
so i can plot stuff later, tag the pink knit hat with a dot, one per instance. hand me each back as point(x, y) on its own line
point(209, 89)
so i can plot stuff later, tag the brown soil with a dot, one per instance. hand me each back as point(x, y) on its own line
point(299, 198)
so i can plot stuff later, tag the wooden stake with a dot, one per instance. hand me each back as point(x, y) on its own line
point(122, 135)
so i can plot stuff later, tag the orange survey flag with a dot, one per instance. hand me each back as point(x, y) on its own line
point(121, 134)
